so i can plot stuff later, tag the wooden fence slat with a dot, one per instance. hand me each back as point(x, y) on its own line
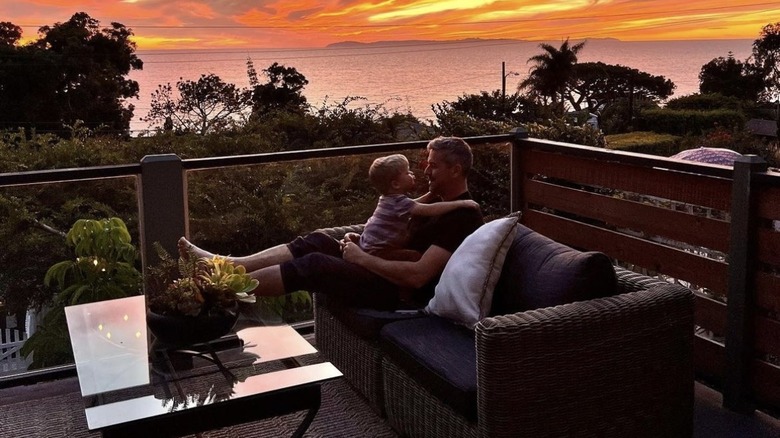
point(766, 202)
point(676, 263)
point(768, 291)
point(683, 227)
point(768, 246)
point(710, 314)
point(709, 359)
point(765, 382)
point(767, 335)
point(685, 187)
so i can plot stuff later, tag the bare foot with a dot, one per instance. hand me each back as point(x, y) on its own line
point(186, 248)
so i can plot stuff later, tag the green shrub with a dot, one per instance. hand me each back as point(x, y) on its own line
point(704, 102)
point(682, 122)
point(644, 142)
point(560, 130)
point(102, 268)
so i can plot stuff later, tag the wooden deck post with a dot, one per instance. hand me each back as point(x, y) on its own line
point(515, 175)
point(739, 336)
point(162, 205)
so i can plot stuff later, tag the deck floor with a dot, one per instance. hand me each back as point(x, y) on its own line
point(712, 420)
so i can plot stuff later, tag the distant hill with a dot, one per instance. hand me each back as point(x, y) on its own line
point(353, 44)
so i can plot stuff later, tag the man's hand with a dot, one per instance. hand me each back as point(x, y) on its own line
point(351, 252)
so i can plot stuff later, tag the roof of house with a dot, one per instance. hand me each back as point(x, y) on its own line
point(767, 128)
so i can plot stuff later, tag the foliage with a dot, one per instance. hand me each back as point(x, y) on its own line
point(552, 72)
point(282, 92)
point(766, 58)
point(32, 217)
point(74, 71)
point(10, 34)
point(644, 142)
point(619, 116)
point(562, 131)
point(204, 106)
point(705, 102)
point(103, 268)
point(596, 86)
point(196, 285)
point(682, 122)
point(730, 77)
point(513, 108)
point(104, 265)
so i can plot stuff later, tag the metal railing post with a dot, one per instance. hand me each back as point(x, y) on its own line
point(739, 351)
point(162, 205)
point(515, 176)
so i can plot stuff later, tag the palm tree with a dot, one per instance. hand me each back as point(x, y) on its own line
point(552, 72)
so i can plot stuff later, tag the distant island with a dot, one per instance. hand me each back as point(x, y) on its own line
point(353, 44)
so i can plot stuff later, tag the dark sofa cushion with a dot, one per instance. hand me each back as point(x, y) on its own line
point(366, 323)
point(539, 272)
point(439, 355)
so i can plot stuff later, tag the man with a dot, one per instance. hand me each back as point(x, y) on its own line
point(318, 263)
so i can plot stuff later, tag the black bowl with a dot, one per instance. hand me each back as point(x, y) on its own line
point(178, 330)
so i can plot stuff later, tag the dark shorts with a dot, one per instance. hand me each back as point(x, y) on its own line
point(317, 266)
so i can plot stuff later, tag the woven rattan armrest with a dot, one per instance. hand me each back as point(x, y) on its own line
point(616, 366)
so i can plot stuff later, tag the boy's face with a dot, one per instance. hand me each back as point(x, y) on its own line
point(405, 180)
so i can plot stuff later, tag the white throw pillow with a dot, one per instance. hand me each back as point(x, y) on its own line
point(465, 291)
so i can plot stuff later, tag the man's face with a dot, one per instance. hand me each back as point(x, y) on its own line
point(439, 174)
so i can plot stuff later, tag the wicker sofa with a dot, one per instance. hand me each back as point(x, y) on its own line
point(618, 365)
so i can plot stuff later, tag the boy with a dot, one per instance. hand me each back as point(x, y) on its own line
point(385, 231)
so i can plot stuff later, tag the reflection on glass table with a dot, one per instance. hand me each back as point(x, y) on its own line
point(256, 373)
point(109, 344)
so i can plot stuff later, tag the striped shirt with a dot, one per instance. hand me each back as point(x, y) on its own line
point(386, 228)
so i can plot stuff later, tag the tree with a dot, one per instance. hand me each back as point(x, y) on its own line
point(283, 91)
point(598, 85)
point(730, 77)
point(74, 72)
point(552, 72)
point(10, 34)
point(766, 58)
point(204, 106)
point(514, 108)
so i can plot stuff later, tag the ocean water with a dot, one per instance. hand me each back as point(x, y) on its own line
point(412, 76)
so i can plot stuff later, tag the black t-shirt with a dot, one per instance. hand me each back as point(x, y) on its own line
point(446, 231)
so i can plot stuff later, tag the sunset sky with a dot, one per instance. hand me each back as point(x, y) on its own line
point(184, 24)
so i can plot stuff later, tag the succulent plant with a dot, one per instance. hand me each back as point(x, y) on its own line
point(195, 285)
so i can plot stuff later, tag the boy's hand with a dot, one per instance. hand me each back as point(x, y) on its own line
point(351, 237)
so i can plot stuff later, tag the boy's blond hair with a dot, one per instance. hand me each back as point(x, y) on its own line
point(385, 169)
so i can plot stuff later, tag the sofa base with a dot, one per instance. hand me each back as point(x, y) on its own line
point(358, 359)
point(414, 412)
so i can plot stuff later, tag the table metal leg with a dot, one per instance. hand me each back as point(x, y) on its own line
point(307, 420)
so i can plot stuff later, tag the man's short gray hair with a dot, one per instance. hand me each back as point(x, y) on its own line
point(456, 151)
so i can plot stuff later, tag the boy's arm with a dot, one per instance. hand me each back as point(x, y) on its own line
point(426, 198)
point(440, 208)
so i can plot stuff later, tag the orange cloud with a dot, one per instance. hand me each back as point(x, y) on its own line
point(314, 23)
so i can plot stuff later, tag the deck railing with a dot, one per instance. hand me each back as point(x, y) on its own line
point(710, 227)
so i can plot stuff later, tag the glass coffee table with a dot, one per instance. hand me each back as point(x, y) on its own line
point(132, 390)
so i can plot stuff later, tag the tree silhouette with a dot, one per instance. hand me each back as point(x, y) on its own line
point(204, 106)
point(731, 77)
point(74, 72)
point(552, 72)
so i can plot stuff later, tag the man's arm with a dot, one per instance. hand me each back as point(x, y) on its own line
point(440, 208)
point(407, 274)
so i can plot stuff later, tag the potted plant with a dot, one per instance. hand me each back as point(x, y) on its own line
point(194, 299)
